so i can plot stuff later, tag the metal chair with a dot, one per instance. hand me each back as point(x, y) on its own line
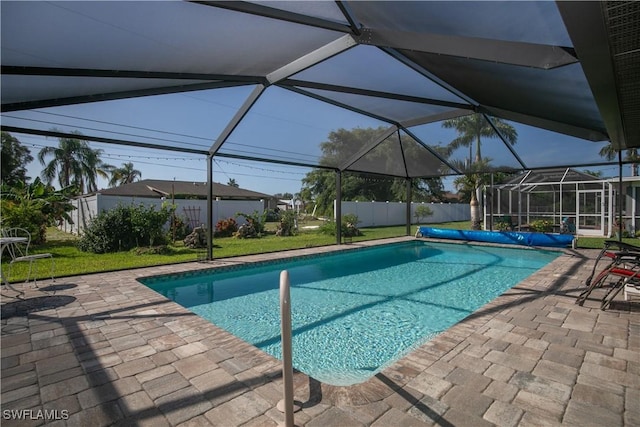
point(622, 271)
point(18, 251)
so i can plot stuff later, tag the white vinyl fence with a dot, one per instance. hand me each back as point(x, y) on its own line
point(193, 212)
point(374, 214)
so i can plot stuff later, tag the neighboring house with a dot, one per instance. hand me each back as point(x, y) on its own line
point(291, 204)
point(183, 190)
point(190, 199)
point(449, 197)
point(558, 193)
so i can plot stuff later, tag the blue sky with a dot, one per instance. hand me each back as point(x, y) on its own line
point(292, 123)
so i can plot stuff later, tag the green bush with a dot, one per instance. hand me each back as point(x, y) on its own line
point(226, 228)
point(124, 228)
point(328, 228)
point(287, 226)
point(256, 220)
point(422, 211)
point(27, 216)
point(503, 223)
point(180, 227)
point(541, 225)
point(348, 226)
point(33, 207)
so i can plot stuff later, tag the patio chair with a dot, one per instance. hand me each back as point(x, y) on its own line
point(630, 285)
point(614, 251)
point(19, 251)
point(624, 269)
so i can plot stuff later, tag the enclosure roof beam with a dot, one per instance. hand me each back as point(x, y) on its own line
point(432, 151)
point(368, 147)
point(504, 141)
point(312, 58)
point(493, 50)
point(237, 118)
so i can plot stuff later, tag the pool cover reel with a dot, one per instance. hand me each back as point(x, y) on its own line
point(505, 237)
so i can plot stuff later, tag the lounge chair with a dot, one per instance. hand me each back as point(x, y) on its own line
point(630, 284)
point(614, 251)
point(19, 251)
point(623, 270)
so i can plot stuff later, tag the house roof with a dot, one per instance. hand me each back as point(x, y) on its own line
point(567, 69)
point(181, 189)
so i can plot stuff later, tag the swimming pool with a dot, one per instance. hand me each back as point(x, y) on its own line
point(354, 312)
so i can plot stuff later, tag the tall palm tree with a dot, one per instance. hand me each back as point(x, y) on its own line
point(471, 129)
point(74, 163)
point(610, 153)
point(474, 177)
point(124, 175)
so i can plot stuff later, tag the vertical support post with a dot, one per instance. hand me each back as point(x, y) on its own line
point(286, 405)
point(209, 207)
point(338, 207)
point(408, 183)
point(620, 197)
point(519, 206)
point(491, 190)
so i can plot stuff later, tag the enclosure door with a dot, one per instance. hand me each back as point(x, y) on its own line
point(590, 212)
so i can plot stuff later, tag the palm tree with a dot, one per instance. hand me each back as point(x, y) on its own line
point(74, 163)
point(610, 153)
point(232, 183)
point(468, 184)
point(124, 175)
point(471, 129)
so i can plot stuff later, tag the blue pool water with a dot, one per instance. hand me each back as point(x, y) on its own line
point(355, 312)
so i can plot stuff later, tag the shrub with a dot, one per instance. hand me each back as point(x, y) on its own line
point(422, 211)
point(503, 223)
point(287, 226)
point(179, 227)
point(124, 228)
point(328, 228)
point(226, 227)
point(246, 231)
point(541, 225)
point(33, 207)
point(27, 216)
point(273, 215)
point(257, 220)
point(348, 227)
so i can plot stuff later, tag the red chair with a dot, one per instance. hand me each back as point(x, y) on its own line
point(623, 268)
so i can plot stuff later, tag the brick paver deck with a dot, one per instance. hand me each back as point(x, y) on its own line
point(102, 349)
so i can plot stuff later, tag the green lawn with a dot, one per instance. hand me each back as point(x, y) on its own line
point(69, 261)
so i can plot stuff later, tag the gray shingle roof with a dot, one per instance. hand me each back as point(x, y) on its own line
point(181, 189)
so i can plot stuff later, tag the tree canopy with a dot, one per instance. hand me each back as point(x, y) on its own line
point(320, 183)
point(472, 128)
point(73, 162)
point(610, 153)
point(126, 174)
point(15, 158)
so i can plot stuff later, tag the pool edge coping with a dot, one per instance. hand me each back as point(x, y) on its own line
point(374, 389)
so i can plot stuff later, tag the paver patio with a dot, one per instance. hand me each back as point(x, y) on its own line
point(102, 349)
